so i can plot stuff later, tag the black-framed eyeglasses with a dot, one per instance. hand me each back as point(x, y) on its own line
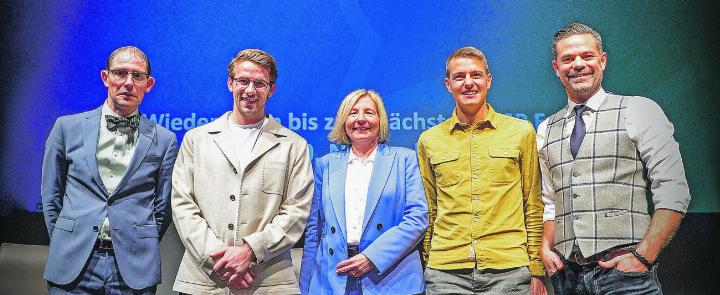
point(245, 83)
point(121, 76)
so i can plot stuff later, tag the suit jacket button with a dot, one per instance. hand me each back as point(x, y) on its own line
point(379, 226)
point(95, 228)
point(332, 229)
point(330, 251)
point(231, 226)
point(232, 197)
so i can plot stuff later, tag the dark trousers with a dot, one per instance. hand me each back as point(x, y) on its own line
point(580, 279)
point(101, 276)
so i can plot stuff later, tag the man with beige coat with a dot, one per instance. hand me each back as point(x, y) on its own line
point(242, 187)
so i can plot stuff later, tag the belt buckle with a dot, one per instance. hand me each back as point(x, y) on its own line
point(353, 250)
point(577, 257)
point(103, 245)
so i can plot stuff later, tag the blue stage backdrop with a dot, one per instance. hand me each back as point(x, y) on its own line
point(664, 50)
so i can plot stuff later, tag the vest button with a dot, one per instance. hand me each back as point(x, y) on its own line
point(576, 217)
point(576, 174)
point(575, 196)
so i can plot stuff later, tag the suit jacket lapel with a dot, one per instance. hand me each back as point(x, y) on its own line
point(382, 165)
point(146, 134)
point(90, 133)
point(337, 168)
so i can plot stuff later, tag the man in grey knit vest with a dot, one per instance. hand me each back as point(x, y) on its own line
point(603, 158)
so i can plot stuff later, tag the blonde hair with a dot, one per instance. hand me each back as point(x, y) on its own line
point(468, 52)
point(338, 133)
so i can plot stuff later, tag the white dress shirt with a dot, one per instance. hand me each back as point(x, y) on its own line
point(115, 149)
point(652, 133)
point(357, 181)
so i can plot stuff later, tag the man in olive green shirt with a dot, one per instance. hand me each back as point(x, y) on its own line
point(482, 180)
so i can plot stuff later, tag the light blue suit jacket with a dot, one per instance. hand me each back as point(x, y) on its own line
point(395, 220)
point(75, 201)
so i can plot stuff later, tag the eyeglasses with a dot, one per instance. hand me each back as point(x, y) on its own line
point(121, 76)
point(245, 83)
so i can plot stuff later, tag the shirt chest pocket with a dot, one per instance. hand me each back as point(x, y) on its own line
point(446, 168)
point(504, 164)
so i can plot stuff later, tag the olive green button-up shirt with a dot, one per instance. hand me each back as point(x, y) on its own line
point(484, 194)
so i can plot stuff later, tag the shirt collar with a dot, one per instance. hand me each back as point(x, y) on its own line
point(490, 120)
point(593, 103)
point(354, 158)
point(105, 110)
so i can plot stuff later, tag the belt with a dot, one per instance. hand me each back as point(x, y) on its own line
point(353, 250)
point(578, 258)
point(103, 245)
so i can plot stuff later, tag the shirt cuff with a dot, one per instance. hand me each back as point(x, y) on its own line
point(537, 269)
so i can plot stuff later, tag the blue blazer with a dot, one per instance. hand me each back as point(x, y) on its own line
point(395, 220)
point(75, 201)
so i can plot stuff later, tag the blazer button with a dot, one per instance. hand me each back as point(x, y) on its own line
point(575, 196)
point(330, 251)
point(95, 228)
point(231, 226)
point(332, 229)
point(379, 226)
point(232, 197)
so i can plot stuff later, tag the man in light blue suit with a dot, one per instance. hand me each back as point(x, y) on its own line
point(369, 209)
point(106, 189)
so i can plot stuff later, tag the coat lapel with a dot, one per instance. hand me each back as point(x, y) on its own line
point(225, 142)
point(146, 134)
point(90, 133)
point(267, 140)
point(336, 187)
point(382, 165)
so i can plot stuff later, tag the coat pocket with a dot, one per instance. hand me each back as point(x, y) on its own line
point(274, 177)
point(144, 231)
point(64, 223)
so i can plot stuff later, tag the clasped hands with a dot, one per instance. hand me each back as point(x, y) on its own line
point(232, 265)
point(355, 266)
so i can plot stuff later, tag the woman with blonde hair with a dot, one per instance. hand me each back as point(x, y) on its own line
point(369, 209)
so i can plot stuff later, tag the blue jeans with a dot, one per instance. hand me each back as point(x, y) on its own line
point(478, 281)
point(100, 276)
point(577, 279)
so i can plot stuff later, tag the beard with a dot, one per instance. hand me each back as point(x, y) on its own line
point(584, 88)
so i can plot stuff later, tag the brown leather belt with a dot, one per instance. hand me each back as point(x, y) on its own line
point(606, 255)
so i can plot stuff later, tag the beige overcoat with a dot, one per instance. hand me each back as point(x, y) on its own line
point(216, 204)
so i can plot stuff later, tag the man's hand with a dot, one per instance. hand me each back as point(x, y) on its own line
point(551, 261)
point(232, 265)
point(355, 266)
point(624, 263)
point(537, 287)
